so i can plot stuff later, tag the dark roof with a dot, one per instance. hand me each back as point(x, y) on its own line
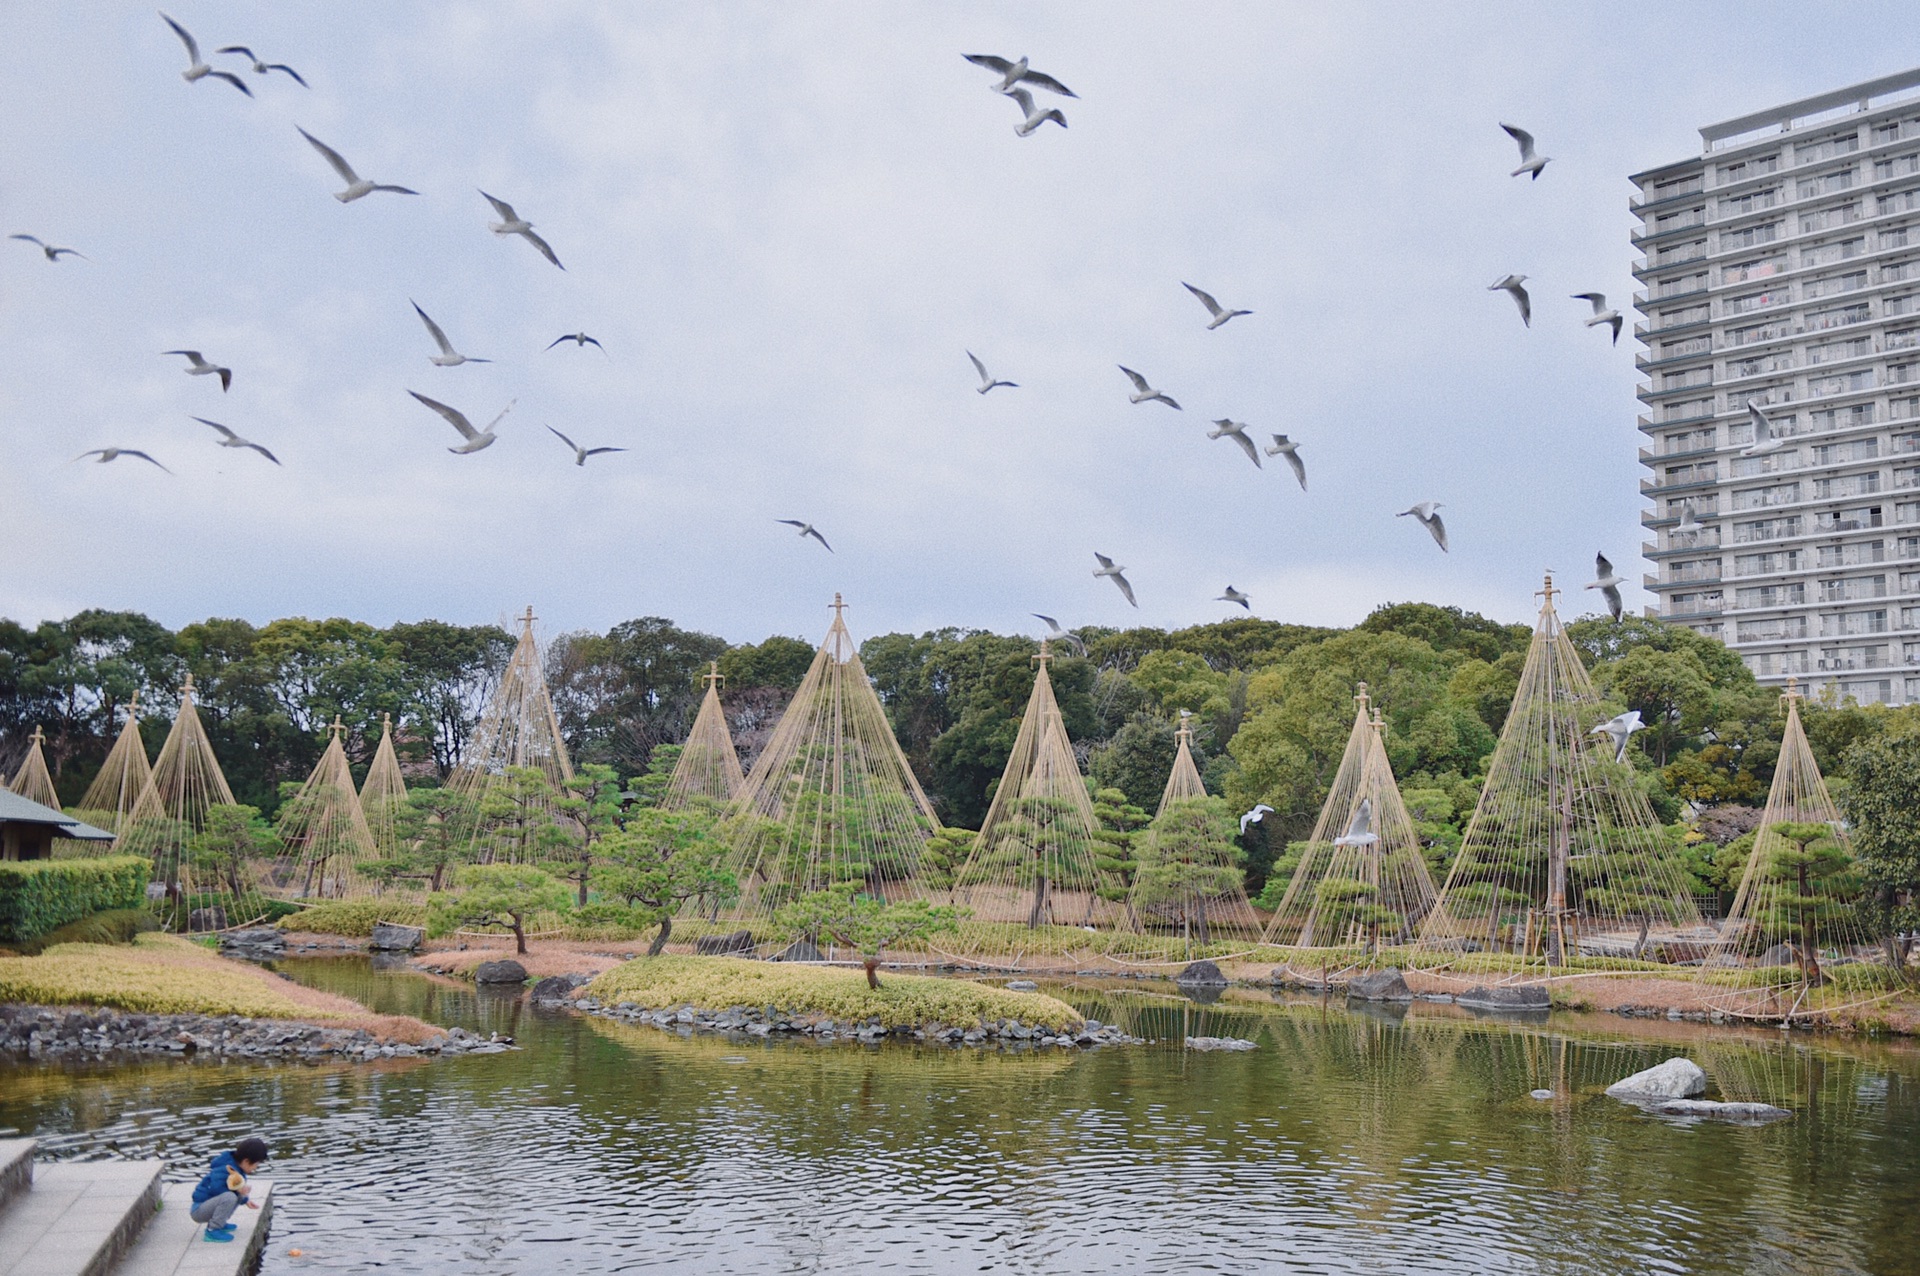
point(15, 809)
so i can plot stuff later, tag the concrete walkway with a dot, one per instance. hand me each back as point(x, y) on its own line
point(174, 1244)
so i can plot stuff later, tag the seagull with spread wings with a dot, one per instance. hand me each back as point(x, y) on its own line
point(1512, 285)
point(1428, 512)
point(1144, 393)
point(358, 187)
point(197, 68)
point(1032, 117)
point(987, 381)
point(1529, 161)
point(1226, 428)
point(1056, 634)
point(113, 453)
point(475, 439)
point(580, 454)
point(806, 529)
point(52, 252)
point(1764, 439)
point(1012, 73)
point(1219, 312)
point(1284, 446)
point(1620, 730)
point(229, 439)
point(1360, 828)
point(1602, 313)
point(1113, 573)
point(579, 339)
point(199, 367)
point(1259, 812)
point(1608, 583)
point(448, 356)
point(512, 223)
point(262, 68)
point(1235, 596)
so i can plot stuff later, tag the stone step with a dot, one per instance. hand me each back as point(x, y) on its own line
point(16, 1168)
point(175, 1245)
point(78, 1218)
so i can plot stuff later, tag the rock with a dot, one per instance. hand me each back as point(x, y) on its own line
point(1023, 985)
point(500, 972)
point(1676, 1078)
point(1524, 997)
point(1220, 1043)
point(1746, 1113)
point(740, 941)
point(1380, 985)
point(205, 919)
point(557, 987)
point(257, 941)
point(391, 937)
point(1201, 972)
point(799, 950)
point(1778, 955)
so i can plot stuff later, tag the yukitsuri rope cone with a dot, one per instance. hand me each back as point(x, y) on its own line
point(708, 769)
point(518, 730)
point(384, 793)
point(1362, 881)
point(110, 799)
point(1563, 862)
point(31, 781)
point(206, 892)
point(1792, 931)
point(324, 831)
point(1032, 880)
point(831, 798)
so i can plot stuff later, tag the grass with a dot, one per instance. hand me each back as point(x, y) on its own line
point(353, 917)
point(905, 1001)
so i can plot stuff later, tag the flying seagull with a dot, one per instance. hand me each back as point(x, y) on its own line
point(1142, 392)
point(1764, 439)
point(198, 367)
point(358, 187)
point(261, 68)
point(1012, 73)
point(1259, 812)
point(1034, 117)
point(1601, 312)
point(229, 439)
point(1511, 284)
point(197, 68)
point(986, 380)
point(1620, 730)
point(806, 530)
point(512, 223)
point(1226, 428)
point(1608, 584)
point(1360, 830)
point(1428, 514)
point(448, 356)
point(1108, 570)
point(475, 439)
point(1234, 596)
point(52, 252)
point(1283, 446)
point(580, 454)
point(580, 339)
point(1689, 525)
point(110, 453)
point(1529, 162)
point(1219, 312)
point(1057, 634)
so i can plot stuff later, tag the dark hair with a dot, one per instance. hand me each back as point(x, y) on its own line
point(254, 1150)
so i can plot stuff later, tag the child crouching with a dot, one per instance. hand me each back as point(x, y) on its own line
point(225, 1187)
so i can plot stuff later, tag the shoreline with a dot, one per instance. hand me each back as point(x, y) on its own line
point(36, 1033)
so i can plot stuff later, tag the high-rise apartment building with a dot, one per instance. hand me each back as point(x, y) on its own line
point(1782, 269)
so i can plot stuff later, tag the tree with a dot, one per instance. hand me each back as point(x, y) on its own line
point(1671, 689)
point(433, 834)
point(863, 923)
point(229, 846)
point(1820, 886)
point(1113, 855)
point(619, 694)
point(657, 863)
point(498, 897)
point(517, 821)
point(588, 808)
point(1187, 860)
point(1136, 760)
point(1883, 806)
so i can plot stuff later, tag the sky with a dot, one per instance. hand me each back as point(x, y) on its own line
point(787, 224)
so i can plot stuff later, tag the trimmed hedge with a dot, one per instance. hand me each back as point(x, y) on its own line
point(353, 917)
point(37, 896)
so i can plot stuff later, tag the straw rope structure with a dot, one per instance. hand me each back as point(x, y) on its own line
point(831, 798)
point(708, 768)
point(110, 799)
point(1563, 857)
point(324, 831)
point(31, 781)
point(383, 794)
point(518, 730)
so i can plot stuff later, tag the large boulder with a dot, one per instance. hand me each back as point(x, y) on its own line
point(799, 950)
point(740, 941)
point(1201, 972)
point(1676, 1078)
point(257, 942)
point(200, 920)
point(1526, 998)
point(508, 971)
point(1743, 1113)
point(558, 987)
point(1380, 985)
point(391, 937)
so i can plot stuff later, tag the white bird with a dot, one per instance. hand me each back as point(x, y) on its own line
point(1034, 117)
point(1259, 812)
point(1360, 829)
point(1608, 583)
point(1012, 73)
point(52, 252)
point(1226, 428)
point(1602, 313)
point(579, 339)
point(1142, 392)
point(475, 439)
point(806, 530)
point(262, 68)
point(986, 379)
point(1056, 634)
point(358, 187)
point(1108, 570)
point(448, 356)
point(198, 367)
point(229, 439)
point(1620, 730)
point(197, 69)
point(110, 453)
point(1529, 162)
point(1689, 525)
point(512, 223)
point(1235, 596)
point(1283, 446)
point(1428, 512)
point(1511, 285)
point(580, 454)
point(1219, 312)
point(1764, 439)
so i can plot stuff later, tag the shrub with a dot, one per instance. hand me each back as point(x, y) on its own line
point(157, 974)
point(116, 926)
point(38, 895)
point(353, 917)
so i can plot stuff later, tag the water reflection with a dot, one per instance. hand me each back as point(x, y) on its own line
point(1383, 1138)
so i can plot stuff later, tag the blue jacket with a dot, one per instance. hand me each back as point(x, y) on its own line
point(216, 1181)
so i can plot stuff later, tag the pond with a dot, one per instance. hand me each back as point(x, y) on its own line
point(1349, 1141)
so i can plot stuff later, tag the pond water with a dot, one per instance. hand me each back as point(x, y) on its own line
point(1348, 1142)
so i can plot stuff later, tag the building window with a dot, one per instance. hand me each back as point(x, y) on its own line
point(1849, 624)
point(1896, 166)
point(1894, 272)
point(1900, 202)
point(1768, 564)
point(1851, 417)
point(1837, 317)
point(1674, 187)
point(1875, 691)
point(1790, 595)
point(1838, 250)
point(1679, 219)
point(1694, 570)
point(1755, 498)
point(1852, 555)
point(1773, 330)
point(1853, 589)
point(1853, 520)
point(1686, 378)
point(1784, 427)
point(1772, 463)
point(1774, 361)
point(1766, 529)
point(1893, 237)
point(1702, 439)
point(1687, 409)
point(1905, 443)
point(1681, 284)
point(1834, 351)
point(1908, 477)
point(1840, 383)
point(1686, 346)
point(1773, 663)
point(1828, 218)
point(1834, 285)
point(1753, 301)
point(1826, 148)
point(1693, 604)
point(1777, 629)
point(1752, 202)
point(1752, 166)
point(1825, 184)
point(1842, 453)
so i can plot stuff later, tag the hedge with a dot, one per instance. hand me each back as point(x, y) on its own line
point(38, 895)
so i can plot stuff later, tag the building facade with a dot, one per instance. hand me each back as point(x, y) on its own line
point(1782, 269)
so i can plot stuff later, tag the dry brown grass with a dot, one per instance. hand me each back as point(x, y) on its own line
point(546, 957)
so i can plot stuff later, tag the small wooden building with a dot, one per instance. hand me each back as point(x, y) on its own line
point(27, 828)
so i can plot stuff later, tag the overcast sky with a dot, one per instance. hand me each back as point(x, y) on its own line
point(787, 223)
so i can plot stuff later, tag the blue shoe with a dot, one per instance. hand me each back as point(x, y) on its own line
point(212, 1235)
point(225, 1227)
